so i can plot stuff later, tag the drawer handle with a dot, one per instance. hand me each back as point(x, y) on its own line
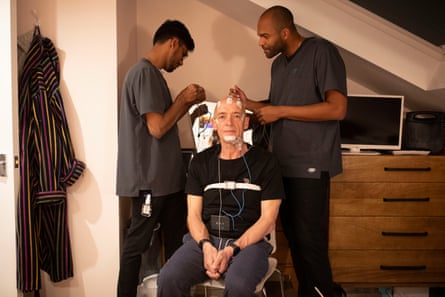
point(391, 267)
point(427, 199)
point(407, 169)
point(410, 234)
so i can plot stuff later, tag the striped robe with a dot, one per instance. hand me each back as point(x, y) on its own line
point(47, 167)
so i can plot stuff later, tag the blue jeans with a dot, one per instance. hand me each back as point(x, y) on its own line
point(185, 269)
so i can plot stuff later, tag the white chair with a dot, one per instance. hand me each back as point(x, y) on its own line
point(272, 271)
point(148, 287)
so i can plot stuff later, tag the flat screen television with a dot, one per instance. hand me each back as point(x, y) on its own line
point(373, 123)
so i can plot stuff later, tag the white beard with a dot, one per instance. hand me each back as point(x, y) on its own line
point(238, 141)
point(230, 138)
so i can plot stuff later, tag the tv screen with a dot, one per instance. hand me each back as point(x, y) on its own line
point(372, 122)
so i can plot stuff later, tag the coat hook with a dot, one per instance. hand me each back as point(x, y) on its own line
point(36, 17)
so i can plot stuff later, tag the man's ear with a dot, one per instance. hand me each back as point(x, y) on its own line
point(246, 122)
point(285, 33)
point(174, 42)
point(214, 123)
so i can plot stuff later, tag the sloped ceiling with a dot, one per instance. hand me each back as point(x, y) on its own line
point(425, 19)
point(381, 55)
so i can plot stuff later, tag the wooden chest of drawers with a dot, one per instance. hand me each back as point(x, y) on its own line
point(387, 221)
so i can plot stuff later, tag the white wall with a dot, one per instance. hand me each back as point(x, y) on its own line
point(226, 52)
point(84, 33)
point(7, 115)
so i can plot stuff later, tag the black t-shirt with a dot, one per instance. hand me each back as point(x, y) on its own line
point(242, 207)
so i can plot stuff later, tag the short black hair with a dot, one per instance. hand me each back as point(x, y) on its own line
point(174, 28)
point(282, 16)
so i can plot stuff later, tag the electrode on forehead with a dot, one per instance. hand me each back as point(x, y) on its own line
point(229, 100)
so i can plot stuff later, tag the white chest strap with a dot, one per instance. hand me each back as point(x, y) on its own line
point(231, 185)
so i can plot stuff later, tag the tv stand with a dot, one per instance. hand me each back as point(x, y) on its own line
point(357, 151)
point(387, 222)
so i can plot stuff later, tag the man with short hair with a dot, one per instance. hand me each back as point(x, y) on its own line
point(307, 98)
point(234, 193)
point(150, 169)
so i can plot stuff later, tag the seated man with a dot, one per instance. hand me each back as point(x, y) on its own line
point(234, 193)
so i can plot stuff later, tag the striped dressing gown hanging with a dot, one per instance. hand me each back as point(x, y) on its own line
point(47, 167)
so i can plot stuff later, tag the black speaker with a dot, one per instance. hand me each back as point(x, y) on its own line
point(424, 130)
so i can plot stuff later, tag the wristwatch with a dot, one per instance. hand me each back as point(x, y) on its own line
point(202, 241)
point(235, 247)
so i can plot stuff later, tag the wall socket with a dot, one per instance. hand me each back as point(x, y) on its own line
point(2, 165)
